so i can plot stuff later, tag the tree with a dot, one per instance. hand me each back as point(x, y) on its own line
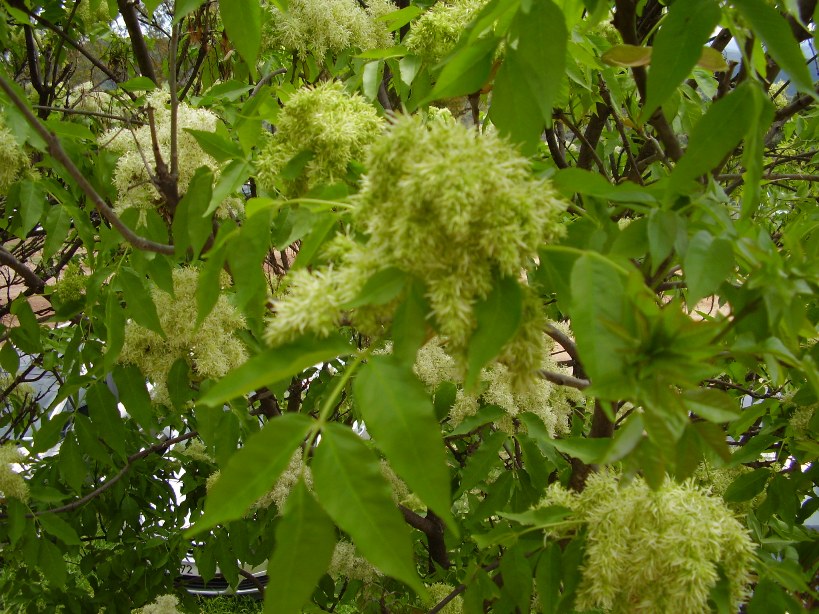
point(485, 305)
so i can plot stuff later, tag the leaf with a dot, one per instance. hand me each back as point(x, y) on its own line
point(191, 225)
point(409, 324)
point(547, 578)
point(208, 287)
point(252, 471)
point(305, 537)
point(589, 450)
point(627, 56)
point(32, 205)
point(747, 486)
point(140, 304)
point(215, 145)
point(274, 365)
point(678, 47)
point(481, 462)
point(517, 577)
point(133, 394)
point(51, 561)
point(382, 287)
point(498, 317)
point(9, 359)
point(102, 409)
point(712, 60)
point(708, 262)
point(467, 71)
point(713, 405)
point(72, 465)
point(350, 487)
point(529, 80)
point(56, 224)
point(539, 517)
point(60, 529)
point(625, 439)
point(771, 27)
point(571, 181)
point(485, 415)
point(371, 80)
point(49, 433)
point(398, 19)
point(753, 153)
point(715, 135)
point(138, 84)
point(243, 24)
point(397, 410)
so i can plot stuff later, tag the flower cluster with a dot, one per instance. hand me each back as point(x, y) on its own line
point(12, 158)
point(434, 35)
point(321, 26)
point(132, 178)
point(655, 551)
point(71, 286)
point(164, 604)
point(348, 564)
point(453, 207)
point(552, 404)
point(211, 348)
point(286, 483)
point(91, 16)
point(437, 592)
point(11, 482)
point(334, 127)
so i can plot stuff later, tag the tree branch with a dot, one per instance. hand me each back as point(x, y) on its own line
point(561, 379)
point(127, 9)
point(33, 281)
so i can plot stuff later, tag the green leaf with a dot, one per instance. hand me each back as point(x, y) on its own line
point(485, 415)
point(59, 528)
point(70, 130)
point(571, 181)
point(397, 409)
point(380, 288)
point(49, 433)
point(178, 383)
point(26, 335)
point(305, 537)
point(539, 517)
point(252, 471)
point(771, 27)
point(747, 486)
point(56, 224)
point(32, 204)
point(209, 287)
point(138, 84)
point(715, 135)
point(371, 80)
point(398, 19)
point(102, 409)
point(215, 145)
point(51, 561)
point(467, 71)
point(481, 462)
point(9, 359)
point(243, 24)
point(72, 465)
point(134, 395)
point(529, 80)
point(753, 153)
point(678, 47)
point(625, 439)
point(517, 577)
point(713, 405)
point(322, 230)
point(498, 317)
point(409, 324)
point(114, 329)
point(588, 450)
point(192, 227)
point(627, 56)
point(547, 578)
point(350, 486)
point(141, 305)
point(274, 365)
point(708, 263)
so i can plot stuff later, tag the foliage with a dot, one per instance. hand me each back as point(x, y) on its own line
point(502, 305)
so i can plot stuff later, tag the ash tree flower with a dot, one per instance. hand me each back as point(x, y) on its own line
point(434, 35)
point(656, 551)
point(12, 483)
point(328, 125)
point(12, 158)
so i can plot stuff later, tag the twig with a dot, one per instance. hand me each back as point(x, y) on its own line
point(561, 379)
point(266, 79)
point(70, 111)
point(32, 280)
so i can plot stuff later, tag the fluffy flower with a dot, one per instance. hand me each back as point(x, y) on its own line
point(346, 563)
point(72, 284)
point(286, 482)
point(11, 482)
point(655, 551)
point(437, 592)
point(321, 26)
point(210, 349)
point(333, 126)
point(453, 207)
point(131, 176)
point(435, 33)
point(12, 158)
point(164, 604)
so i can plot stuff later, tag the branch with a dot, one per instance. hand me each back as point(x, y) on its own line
point(70, 111)
point(157, 447)
point(127, 9)
point(561, 379)
point(433, 528)
point(33, 281)
point(585, 142)
point(58, 153)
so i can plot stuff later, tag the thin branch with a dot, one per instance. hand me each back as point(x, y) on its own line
point(579, 134)
point(127, 8)
point(32, 280)
point(561, 379)
point(771, 177)
point(606, 95)
point(58, 153)
point(70, 111)
point(174, 48)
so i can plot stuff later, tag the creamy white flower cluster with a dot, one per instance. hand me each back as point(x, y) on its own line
point(131, 177)
point(164, 604)
point(655, 551)
point(321, 26)
point(326, 122)
point(12, 158)
point(12, 483)
point(347, 563)
point(434, 35)
point(550, 403)
point(210, 349)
